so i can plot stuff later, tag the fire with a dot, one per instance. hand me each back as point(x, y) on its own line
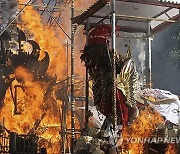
point(46, 38)
point(53, 41)
point(32, 107)
point(32, 104)
point(142, 127)
point(26, 99)
point(171, 149)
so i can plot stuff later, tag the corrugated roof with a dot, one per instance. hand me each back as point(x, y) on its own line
point(161, 13)
point(155, 1)
point(170, 1)
point(101, 3)
point(94, 8)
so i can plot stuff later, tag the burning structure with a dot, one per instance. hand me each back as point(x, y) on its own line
point(114, 77)
point(54, 110)
point(32, 95)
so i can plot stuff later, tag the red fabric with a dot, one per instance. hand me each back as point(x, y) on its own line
point(139, 105)
point(98, 40)
point(121, 106)
point(100, 34)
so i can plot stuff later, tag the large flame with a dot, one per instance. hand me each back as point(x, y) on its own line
point(29, 103)
point(33, 105)
point(142, 127)
point(46, 38)
point(54, 41)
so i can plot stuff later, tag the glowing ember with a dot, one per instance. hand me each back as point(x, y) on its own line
point(171, 149)
point(142, 127)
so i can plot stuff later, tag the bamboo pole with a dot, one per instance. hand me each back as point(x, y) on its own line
point(72, 80)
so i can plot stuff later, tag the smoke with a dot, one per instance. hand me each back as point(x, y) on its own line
point(8, 10)
point(165, 70)
point(165, 56)
point(137, 45)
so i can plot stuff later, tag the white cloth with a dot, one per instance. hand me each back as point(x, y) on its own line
point(97, 118)
point(169, 109)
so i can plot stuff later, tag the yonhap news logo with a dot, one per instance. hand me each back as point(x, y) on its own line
point(151, 140)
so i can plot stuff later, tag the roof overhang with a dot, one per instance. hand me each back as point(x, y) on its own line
point(133, 15)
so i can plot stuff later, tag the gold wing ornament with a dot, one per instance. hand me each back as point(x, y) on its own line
point(127, 81)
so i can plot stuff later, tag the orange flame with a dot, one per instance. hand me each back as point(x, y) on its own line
point(142, 127)
point(31, 104)
point(26, 99)
point(171, 149)
point(46, 38)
